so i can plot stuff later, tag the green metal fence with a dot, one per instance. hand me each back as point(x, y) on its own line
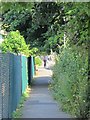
point(24, 73)
point(4, 83)
point(13, 81)
point(31, 70)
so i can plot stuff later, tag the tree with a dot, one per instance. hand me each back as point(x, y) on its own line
point(17, 17)
point(48, 26)
point(15, 43)
point(76, 27)
point(43, 21)
point(32, 24)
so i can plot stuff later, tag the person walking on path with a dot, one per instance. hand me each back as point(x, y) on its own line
point(45, 60)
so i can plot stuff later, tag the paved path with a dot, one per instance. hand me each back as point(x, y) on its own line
point(41, 104)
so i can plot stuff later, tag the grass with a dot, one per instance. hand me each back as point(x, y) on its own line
point(18, 112)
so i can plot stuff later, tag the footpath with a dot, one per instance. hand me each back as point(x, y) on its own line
point(41, 104)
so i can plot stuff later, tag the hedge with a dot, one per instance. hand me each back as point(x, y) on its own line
point(70, 81)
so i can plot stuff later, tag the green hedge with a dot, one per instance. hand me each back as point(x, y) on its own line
point(70, 81)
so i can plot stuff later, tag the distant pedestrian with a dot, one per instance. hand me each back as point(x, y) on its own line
point(45, 60)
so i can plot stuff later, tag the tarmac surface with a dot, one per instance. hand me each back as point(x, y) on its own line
point(41, 104)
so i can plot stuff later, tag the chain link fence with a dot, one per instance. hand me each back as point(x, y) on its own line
point(13, 82)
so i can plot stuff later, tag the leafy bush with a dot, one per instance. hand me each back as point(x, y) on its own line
point(38, 61)
point(70, 81)
point(15, 43)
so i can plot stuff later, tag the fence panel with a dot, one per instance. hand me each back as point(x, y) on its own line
point(0, 97)
point(11, 79)
point(31, 69)
point(16, 81)
point(0, 87)
point(24, 73)
point(13, 82)
point(5, 84)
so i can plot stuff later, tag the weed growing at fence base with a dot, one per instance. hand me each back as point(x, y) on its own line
point(18, 112)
